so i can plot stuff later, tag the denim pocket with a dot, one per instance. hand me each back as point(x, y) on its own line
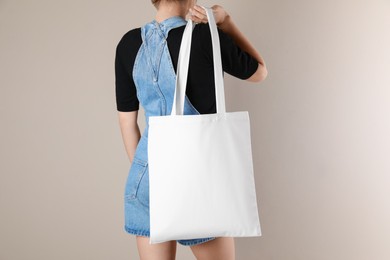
point(137, 171)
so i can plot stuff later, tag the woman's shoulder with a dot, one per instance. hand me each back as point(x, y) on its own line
point(131, 39)
point(204, 30)
point(200, 28)
point(202, 34)
point(132, 32)
point(131, 35)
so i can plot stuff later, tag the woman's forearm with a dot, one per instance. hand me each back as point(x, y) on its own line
point(226, 24)
point(230, 28)
point(130, 133)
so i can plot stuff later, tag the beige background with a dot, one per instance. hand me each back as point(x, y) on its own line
point(320, 125)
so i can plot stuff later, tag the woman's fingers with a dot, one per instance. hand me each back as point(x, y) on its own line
point(198, 14)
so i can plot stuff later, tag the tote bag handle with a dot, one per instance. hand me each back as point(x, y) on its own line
point(183, 64)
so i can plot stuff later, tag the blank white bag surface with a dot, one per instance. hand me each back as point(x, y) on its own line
point(208, 182)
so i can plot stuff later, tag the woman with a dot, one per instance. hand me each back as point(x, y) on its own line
point(145, 67)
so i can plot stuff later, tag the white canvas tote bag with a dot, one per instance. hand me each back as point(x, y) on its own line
point(201, 176)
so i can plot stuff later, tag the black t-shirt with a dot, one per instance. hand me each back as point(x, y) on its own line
point(200, 84)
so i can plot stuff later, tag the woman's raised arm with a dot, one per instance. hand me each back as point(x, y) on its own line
point(226, 24)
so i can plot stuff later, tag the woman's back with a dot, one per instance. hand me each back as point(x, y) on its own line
point(200, 87)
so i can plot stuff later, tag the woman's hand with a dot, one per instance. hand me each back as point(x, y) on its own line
point(198, 14)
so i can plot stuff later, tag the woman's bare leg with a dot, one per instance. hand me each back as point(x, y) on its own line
point(218, 248)
point(160, 251)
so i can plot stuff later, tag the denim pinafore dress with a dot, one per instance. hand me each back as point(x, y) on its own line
point(154, 77)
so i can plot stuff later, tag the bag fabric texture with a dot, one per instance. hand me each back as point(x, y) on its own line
point(201, 178)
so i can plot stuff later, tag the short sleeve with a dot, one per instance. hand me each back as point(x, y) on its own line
point(125, 90)
point(235, 61)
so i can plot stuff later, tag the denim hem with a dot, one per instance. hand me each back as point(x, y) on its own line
point(137, 232)
point(194, 241)
point(184, 242)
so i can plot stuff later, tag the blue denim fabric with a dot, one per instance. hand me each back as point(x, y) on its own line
point(155, 78)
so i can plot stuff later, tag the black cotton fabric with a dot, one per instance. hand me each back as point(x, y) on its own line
point(200, 84)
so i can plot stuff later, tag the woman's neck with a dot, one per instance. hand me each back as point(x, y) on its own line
point(168, 10)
